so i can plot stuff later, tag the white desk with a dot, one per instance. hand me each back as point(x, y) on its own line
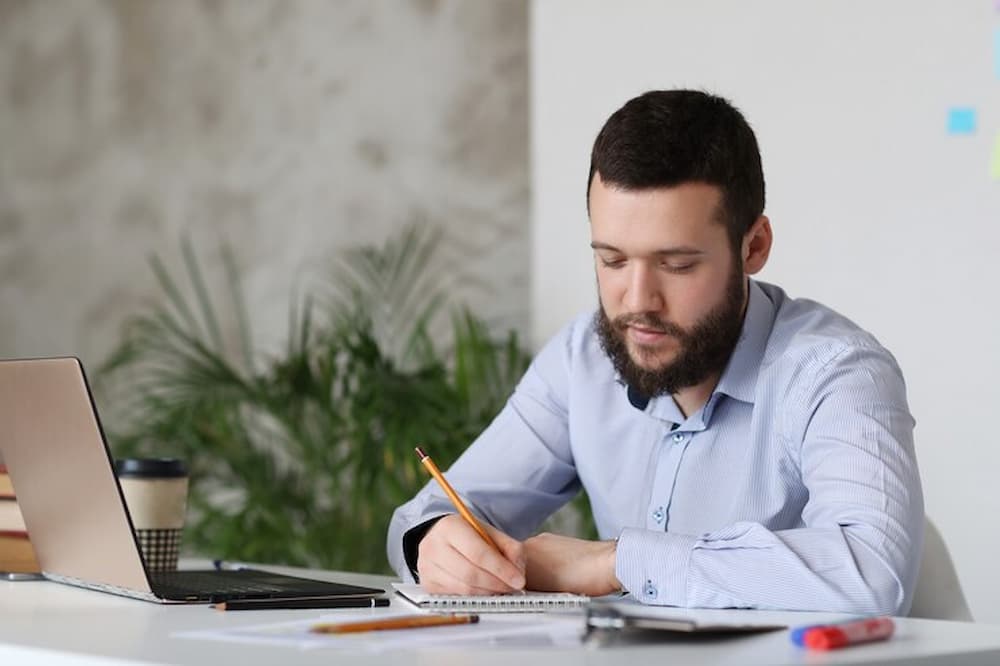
point(46, 623)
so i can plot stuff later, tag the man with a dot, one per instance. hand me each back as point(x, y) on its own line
point(739, 448)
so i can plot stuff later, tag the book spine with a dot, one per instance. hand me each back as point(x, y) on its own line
point(6, 487)
point(10, 516)
point(21, 534)
point(16, 553)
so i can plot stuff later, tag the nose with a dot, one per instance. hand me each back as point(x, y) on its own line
point(642, 290)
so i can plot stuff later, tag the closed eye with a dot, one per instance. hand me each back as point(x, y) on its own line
point(612, 263)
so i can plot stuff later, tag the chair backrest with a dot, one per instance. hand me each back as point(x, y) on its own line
point(939, 593)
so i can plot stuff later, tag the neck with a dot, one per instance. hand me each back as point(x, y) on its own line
point(692, 398)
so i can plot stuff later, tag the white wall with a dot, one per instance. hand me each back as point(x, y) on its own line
point(877, 210)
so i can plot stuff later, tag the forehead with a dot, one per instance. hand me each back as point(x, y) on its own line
point(657, 218)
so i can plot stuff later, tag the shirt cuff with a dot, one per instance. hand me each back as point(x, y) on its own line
point(411, 541)
point(653, 566)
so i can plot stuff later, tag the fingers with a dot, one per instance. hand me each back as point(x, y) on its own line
point(454, 559)
point(511, 549)
point(450, 572)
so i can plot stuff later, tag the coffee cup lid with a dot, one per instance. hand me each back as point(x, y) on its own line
point(151, 468)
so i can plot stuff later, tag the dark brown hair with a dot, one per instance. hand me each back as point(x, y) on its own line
point(665, 138)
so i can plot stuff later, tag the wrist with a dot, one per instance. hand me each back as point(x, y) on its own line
point(411, 545)
point(611, 552)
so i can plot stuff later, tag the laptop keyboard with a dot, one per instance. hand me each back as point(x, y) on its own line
point(241, 584)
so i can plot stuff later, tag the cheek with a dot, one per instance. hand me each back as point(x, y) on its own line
point(690, 300)
point(611, 289)
point(686, 307)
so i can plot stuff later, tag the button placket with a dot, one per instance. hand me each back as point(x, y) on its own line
point(658, 511)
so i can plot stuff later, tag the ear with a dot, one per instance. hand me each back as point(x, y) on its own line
point(757, 245)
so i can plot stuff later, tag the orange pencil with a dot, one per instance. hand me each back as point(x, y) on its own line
point(405, 622)
point(453, 496)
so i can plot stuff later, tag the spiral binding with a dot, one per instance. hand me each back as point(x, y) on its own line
point(506, 604)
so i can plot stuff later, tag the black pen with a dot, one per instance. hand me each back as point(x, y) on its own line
point(307, 602)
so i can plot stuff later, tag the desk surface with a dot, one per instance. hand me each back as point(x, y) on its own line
point(43, 622)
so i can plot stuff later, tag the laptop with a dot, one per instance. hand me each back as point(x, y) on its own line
point(58, 459)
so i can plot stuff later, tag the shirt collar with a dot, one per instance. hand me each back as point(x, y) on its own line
point(739, 379)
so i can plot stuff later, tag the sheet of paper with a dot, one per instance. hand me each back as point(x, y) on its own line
point(520, 631)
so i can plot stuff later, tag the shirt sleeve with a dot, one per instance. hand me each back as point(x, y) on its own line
point(517, 472)
point(858, 550)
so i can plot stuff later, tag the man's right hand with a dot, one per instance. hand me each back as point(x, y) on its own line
point(453, 559)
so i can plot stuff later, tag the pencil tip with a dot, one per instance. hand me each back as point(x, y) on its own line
point(420, 452)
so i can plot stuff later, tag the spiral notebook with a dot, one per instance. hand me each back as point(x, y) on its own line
point(529, 602)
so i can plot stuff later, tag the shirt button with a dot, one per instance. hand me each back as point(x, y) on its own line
point(649, 590)
point(678, 438)
point(659, 515)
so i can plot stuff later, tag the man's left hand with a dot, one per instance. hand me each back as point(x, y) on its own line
point(563, 564)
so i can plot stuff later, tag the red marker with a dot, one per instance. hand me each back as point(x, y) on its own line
point(831, 636)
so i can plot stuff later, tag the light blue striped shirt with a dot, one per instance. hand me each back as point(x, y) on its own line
point(794, 487)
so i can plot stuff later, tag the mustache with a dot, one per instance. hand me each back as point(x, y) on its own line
point(649, 321)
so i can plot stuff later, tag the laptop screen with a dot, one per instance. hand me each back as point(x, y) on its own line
point(63, 476)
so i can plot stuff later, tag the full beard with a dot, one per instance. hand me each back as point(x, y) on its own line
point(704, 349)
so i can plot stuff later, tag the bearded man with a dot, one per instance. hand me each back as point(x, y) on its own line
point(739, 448)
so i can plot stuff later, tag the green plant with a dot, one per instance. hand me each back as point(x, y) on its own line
point(301, 458)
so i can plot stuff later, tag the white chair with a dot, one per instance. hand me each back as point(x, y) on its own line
point(939, 594)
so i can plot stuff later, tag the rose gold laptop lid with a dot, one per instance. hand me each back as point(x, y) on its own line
point(54, 449)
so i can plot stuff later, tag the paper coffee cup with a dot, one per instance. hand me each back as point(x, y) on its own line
point(155, 491)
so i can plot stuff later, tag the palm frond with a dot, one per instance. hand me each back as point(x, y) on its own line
point(300, 458)
point(239, 306)
point(201, 294)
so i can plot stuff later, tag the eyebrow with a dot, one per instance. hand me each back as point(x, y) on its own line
point(682, 251)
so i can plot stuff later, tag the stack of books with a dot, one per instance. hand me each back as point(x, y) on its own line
point(16, 553)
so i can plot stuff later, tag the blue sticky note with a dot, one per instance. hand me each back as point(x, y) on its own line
point(961, 120)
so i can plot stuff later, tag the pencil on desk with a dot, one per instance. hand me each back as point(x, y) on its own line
point(405, 622)
point(453, 496)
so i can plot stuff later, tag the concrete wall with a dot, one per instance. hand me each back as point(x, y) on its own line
point(287, 129)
